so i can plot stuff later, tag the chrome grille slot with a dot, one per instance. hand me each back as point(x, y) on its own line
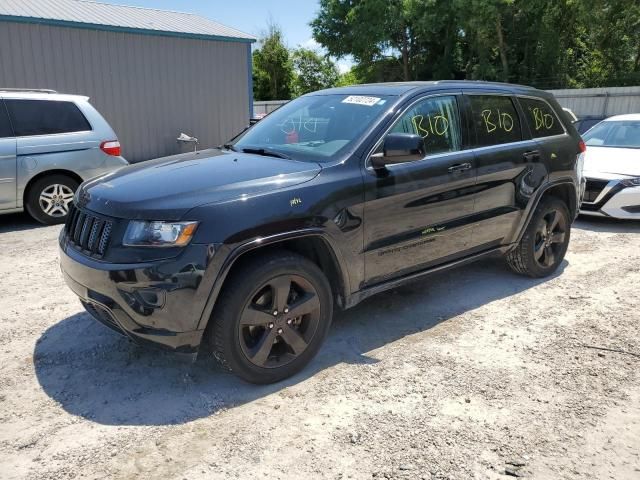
point(96, 230)
point(88, 232)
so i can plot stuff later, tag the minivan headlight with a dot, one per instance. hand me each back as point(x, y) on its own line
point(631, 182)
point(158, 234)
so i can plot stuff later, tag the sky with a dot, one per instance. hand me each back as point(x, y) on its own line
point(250, 16)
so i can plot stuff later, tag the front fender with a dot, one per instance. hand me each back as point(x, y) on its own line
point(228, 256)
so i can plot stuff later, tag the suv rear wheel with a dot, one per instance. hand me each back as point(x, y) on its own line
point(271, 318)
point(545, 241)
point(49, 197)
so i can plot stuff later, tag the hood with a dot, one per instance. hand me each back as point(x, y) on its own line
point(611, 163)
point(166, 188)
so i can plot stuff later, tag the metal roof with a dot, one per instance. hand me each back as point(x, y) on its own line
point(120, 18)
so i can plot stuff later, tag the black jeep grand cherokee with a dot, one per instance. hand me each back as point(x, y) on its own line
point(334, 197)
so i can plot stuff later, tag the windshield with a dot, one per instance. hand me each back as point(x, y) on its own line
point(314, 128)
point(621, 133)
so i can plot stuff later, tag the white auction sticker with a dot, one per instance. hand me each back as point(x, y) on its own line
point(361, 100)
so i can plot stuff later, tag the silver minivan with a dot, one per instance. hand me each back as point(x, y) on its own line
point(49, 144)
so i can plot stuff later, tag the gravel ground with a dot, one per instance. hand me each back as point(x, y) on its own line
point(472, 373)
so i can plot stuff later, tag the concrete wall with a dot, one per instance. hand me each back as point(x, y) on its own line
point(150, 88)
point(600, 101)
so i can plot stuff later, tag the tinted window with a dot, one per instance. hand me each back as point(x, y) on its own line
point(315, 128)
point(437, 121)
point(543, 121)
point(496, 120)
point(583, 126)
point(45, 117)
point(5, 126)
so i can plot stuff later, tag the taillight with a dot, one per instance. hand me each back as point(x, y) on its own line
point(111, 147)
point(582, 146)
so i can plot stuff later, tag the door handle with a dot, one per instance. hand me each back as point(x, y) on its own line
point(459, 167)
point(531, 156)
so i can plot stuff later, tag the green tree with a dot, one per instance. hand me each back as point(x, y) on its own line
point(347, 78)
point(369, 30)
point(272, 68)
point(313, 71)
point(546, 43)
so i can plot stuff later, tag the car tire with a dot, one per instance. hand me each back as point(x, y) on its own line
point(48, 199)
point(271, 318)
point(545, 241)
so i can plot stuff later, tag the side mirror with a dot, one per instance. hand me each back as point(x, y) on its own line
point(399, 148)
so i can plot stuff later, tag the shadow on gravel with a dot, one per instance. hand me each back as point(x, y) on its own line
point(95, 373)
point(609, 225)
point(16, 222)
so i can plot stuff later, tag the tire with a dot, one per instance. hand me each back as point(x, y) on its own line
point(248, 337)
point(49, 197)
point(545, 241)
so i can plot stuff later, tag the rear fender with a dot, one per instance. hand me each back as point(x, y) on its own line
point(533, 205)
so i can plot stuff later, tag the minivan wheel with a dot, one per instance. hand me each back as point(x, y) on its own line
point(271, 318)
point(48, 199)
point(545, 241)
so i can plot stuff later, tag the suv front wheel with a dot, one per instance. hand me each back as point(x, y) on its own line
point(545, 241)
point(271, 318)
point(48, 199)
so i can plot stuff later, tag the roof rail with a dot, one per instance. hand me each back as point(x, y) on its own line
point(39, 90)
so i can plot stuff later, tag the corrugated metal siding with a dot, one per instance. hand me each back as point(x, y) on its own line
point(118, 15)
point(262, 107)
point(149, 88)
point(600, 101)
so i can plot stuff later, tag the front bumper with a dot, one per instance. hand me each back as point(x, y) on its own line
point(157, 303)
point(615, 201)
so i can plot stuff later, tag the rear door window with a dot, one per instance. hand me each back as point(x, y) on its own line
point(45, 117)
point(437, 121)
point(495, 119)
point(543, 121)
point(5, 126)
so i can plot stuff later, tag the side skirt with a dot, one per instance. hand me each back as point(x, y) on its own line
point(365, 293)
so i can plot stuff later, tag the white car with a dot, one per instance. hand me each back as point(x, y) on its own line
point(612, 168)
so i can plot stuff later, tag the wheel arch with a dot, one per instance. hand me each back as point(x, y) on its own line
point(563, 189)
point(48, 173)
point(314, 245)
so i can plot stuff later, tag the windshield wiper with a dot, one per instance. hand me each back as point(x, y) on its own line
point(229, 146)
point(266, 152)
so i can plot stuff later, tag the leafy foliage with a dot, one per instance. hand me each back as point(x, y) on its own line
point(280, 74)
point(313, 71)
point(272, 68)
point(547, 43)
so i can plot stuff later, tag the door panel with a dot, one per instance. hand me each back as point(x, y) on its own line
point(7, 162)
point(507, 178)
point(508, 168)
point(417, 214)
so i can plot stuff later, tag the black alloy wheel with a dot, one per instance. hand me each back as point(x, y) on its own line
point(550, 238)
point(272, 316)
point(279, 321)
point(545, 240)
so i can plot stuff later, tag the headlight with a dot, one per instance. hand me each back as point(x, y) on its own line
point(159, 234)
point(631, 182)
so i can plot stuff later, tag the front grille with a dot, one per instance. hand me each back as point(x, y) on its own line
point(88, 232)
point(593, 190)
